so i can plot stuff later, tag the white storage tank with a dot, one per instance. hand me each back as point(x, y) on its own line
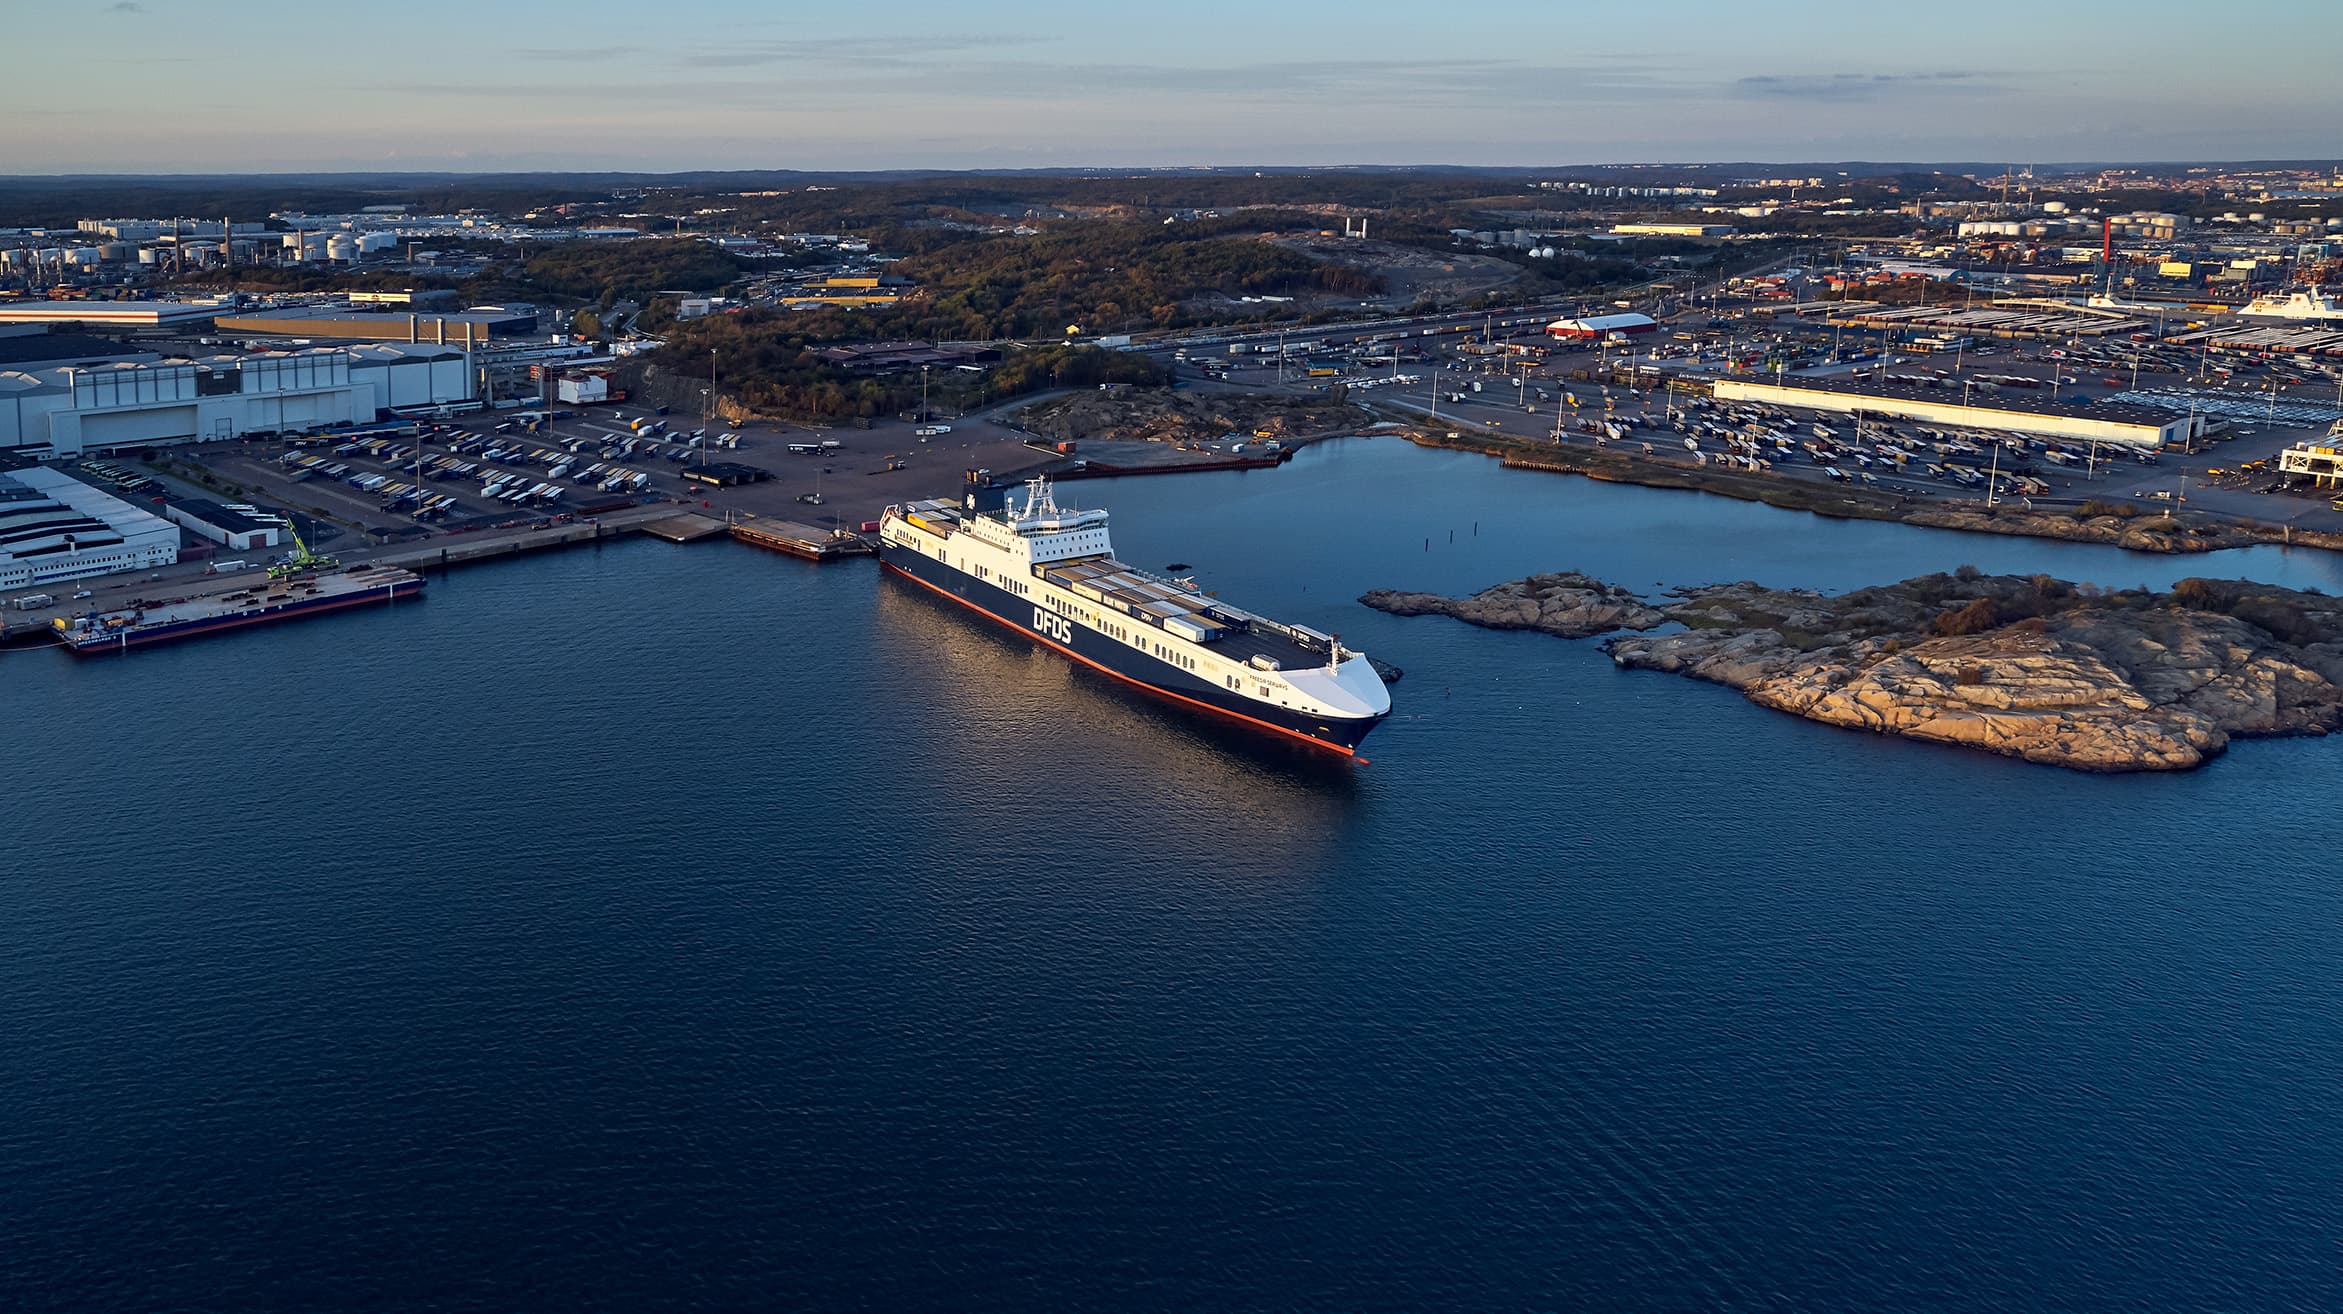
point(341, 247)
point(148, 255)
point(370, 243)
point(115, 253)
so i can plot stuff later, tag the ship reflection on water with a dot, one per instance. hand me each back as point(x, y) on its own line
point(1074, 731)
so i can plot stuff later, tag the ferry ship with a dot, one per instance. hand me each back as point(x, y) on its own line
point(185, 618)
point(1051, 573)
point(2313, 305)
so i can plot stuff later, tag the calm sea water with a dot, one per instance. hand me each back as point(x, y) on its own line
point(655, 927)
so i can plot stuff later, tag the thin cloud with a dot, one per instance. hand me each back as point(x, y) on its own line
point(125, 7)
point(867, 52)
point(577, 54)
point(1423, 84)
point(1852, 86)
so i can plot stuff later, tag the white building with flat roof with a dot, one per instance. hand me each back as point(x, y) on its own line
point(77, 411)
point(2128, 426)
point(114, 314)
point(55, 527)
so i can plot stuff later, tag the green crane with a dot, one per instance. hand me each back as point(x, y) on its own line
point(303, 561)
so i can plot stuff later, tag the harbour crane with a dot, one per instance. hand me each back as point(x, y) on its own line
point(302, 561)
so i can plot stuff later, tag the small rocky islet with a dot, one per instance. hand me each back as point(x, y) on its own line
point(2027, 666)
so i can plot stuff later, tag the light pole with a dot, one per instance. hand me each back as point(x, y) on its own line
point(923, 394)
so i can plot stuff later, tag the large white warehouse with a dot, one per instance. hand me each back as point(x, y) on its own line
point(1600, 326)
point(55, 527)
point(114, 314)
point(77, 411)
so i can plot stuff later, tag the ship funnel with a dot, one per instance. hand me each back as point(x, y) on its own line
point(980, 493)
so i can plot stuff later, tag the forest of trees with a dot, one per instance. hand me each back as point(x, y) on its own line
point(768, 363)
point(1105, 277)
point(603, 271)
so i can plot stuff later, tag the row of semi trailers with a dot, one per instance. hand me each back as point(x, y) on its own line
point(496, 485)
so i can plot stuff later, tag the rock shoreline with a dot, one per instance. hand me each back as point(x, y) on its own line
point(2023, 666)
point(2149, 531)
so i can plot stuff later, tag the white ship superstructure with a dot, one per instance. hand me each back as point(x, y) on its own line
point(2313, 305)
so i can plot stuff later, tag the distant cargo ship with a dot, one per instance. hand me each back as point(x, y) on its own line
point(2312, 305)
point(285, 599)
point(1051, 573)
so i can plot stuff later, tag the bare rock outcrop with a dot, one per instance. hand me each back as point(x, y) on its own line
point(1570, 605)
point(2028, 667)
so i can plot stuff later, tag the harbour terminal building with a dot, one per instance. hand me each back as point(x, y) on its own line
point(469, 328)
point(55, 527)
point(2125, 426)
point(1598, 327)
point(120, 405)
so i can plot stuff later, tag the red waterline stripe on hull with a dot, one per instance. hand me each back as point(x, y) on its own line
point(220, 627)
point(1138, 684)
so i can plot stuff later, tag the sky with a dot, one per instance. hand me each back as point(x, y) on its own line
point(172, 86)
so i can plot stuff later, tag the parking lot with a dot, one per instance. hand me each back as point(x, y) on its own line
point(1512, 379)
point(409, 480)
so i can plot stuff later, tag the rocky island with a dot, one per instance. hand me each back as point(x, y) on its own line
point(2026, 666)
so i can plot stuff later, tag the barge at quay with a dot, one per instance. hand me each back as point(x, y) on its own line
point(1051, 574)
point(278, 599)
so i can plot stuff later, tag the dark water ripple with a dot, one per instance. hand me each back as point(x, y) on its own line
point(677, 928)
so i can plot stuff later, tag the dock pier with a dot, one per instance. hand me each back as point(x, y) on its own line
point(803, 541)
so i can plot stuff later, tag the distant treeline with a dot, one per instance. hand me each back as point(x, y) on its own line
point(604, 271)
point(768, 363)
point(1103, 277)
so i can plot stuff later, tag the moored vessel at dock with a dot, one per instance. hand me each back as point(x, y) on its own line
point(1050, 572)
point(2312, 305)
point(165, 621)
